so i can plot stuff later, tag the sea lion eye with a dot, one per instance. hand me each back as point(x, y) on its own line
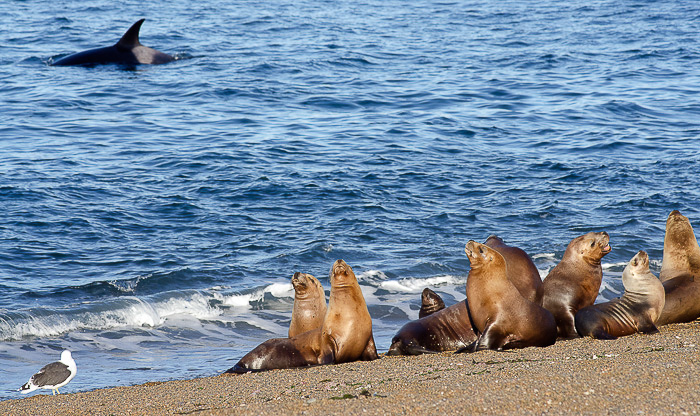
point(592, 243)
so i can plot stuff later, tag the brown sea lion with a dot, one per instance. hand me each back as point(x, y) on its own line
point(300, 351)
point(522, 272)
point(431, 302)
point(347, 328)
point(309, 304)
point(501, 316)
point(574, 282)
point(681, 250)
point(636, 311)
point(680, 272)
point(448, 329)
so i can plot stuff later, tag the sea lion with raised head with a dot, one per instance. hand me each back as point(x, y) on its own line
point(128, 51)
point(309, 304)
point(430, 303)
point(448, 329)
point(522, 272)
point(636, 311)
point(574, 282)
point(347, 328)
point(501, 316)
point(680, 272)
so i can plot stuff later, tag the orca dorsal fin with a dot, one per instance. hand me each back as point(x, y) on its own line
point(131, 37)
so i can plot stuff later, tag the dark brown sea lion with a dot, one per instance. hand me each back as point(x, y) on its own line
point(681, 250)
point(522, 272)
point(574, 282)
point(636, 311)
point(300, 351)
point(347, 327)
point(448, 329)
point(501, 316)
point(309, 304)
point(680, 272)
point(431, 302)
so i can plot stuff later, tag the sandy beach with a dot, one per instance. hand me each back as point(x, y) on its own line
point(639, 374)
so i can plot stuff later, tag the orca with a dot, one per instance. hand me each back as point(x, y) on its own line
point(128, 51)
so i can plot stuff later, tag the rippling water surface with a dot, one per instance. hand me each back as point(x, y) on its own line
point(152, 217)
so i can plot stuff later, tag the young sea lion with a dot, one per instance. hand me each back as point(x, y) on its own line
point(309, 304)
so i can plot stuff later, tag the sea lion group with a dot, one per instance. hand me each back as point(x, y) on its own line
point(507, 304)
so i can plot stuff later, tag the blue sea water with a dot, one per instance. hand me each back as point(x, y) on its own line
point(152, 217)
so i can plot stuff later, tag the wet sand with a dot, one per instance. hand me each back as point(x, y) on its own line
point(639, 374)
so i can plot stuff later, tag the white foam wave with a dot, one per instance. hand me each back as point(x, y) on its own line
point(278, 290)
point(608, 266)
point(414, 285)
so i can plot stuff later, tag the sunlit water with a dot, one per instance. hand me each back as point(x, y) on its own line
point(152, 217)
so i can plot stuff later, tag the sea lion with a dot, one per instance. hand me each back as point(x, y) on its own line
point(448, 329)
point(681, 250)
point(128, 51)
point(680, 272)
point(299, 351)
point(574, 282)
point(309, 304)
point(347, 327)
point(522, 272)
point(636, 311)
point(431, 302)
point(501, 316)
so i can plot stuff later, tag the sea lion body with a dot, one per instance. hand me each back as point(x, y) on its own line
point(347, 327)
point(521, 270)
point(300, 351)
point(431, 302)
point(636, 311)
point(680, 272)
point(574, 282)
point(502, 317)
point(448, 329)
point(309, 304)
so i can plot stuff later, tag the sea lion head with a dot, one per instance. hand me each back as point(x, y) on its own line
point(592, 247)
point(305, 284)
point(341, 274)
point(679, 230)
point(481, 255)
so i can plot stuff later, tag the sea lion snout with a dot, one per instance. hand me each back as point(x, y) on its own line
point(640, 260)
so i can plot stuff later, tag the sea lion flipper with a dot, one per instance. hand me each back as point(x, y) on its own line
point(602, 334)
point(648, 328)
point(469, 348)
point(370, 352)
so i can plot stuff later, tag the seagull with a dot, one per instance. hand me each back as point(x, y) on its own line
point(52, 376)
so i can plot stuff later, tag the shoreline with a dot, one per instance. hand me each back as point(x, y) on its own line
point(651, 374)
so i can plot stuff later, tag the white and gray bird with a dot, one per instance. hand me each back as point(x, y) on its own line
point(52, 376)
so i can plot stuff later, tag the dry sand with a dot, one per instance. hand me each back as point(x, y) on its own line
point(639, 374)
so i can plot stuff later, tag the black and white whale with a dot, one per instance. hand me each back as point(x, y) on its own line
point(128, 51)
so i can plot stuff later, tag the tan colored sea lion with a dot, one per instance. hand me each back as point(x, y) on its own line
point(636, 311)
point(431, 302)
point(681, 250)
point(300, 351)
point(522, 272)
point(501, 316)
point(574, 282)
point(448, 329)
point(680, 272)
point(347, 328)
point(309, 304)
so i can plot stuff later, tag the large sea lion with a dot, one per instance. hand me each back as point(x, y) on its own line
point(300, 351)
point(430, 303)
point(448, 329)
point(128, 51)
point(636, 311)
point(574, 282)
point(680, 272)
point(522, 272)
point(502, 317)
point(309, 304)
point(347, 328)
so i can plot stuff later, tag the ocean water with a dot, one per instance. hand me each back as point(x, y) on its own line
point(152, 216)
